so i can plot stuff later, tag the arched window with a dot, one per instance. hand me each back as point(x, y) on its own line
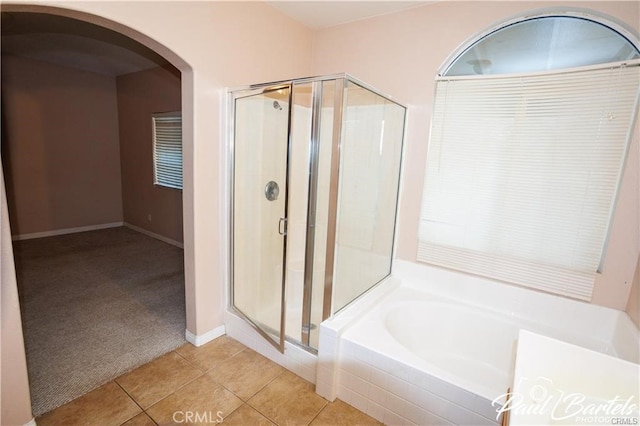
point(529, 135)
point(543, 43)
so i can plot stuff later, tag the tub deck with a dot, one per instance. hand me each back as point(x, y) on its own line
point(431, 346)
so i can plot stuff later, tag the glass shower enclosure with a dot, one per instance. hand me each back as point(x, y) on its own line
point(315, 170)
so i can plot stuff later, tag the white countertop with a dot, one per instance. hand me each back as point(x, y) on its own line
point(559, 383)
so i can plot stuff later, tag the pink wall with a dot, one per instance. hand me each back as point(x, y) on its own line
point(633, 306)
point(215, 45)
point(225, 44)
point(401, 53)
point(139, 96)
point(54, 117)
point(14, 387)
point(72, 137)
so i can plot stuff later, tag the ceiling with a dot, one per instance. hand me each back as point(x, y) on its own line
point(322, 14)
point(73, 43)
point(77, 44)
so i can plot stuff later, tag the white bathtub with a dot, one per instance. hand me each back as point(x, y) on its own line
point(431, 346)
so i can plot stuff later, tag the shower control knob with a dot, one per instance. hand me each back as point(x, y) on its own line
point(271, 191)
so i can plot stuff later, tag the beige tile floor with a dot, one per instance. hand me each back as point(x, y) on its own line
point(220, 382)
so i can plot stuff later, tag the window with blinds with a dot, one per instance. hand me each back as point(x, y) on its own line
point(167, 149)
point(522, 173)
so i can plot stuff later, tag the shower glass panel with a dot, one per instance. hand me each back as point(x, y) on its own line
point(320, 292)
point(371, 144)
point(299, 164)
point(316, 166)
point(261, 134)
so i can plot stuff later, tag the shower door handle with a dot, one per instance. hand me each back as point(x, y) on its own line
point(282, 226)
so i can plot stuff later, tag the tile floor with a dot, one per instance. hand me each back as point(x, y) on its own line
point(220, 382)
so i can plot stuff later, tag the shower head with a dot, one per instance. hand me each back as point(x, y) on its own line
point(276, 105)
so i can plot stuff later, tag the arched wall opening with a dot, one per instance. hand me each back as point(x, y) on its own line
point(215, 45)
point(16, 404)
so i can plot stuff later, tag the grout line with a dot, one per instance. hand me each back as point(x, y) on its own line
point(252, 395)
point(203, 372)
point(175, 390)
point(209, 371)
point(269, 382)
point(151, 418)
point(191, 363)
point(263, 415)
point(321, 410)
point(180, 387)
point(257, 391)
point(234, 410)
point(269, 418)
point(134, 401)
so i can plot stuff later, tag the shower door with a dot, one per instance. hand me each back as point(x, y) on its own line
point(261, 149)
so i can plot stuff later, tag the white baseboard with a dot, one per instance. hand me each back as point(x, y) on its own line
point(31, 422)
point(154, 235)
point(66, 231)
point(206, 337)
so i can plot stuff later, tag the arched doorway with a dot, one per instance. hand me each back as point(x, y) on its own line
point(8, 282)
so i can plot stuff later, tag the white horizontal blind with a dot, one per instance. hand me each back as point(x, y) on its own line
point(522, 174)
point(167, 149)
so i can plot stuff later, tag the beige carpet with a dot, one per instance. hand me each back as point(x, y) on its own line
point(95, 305)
